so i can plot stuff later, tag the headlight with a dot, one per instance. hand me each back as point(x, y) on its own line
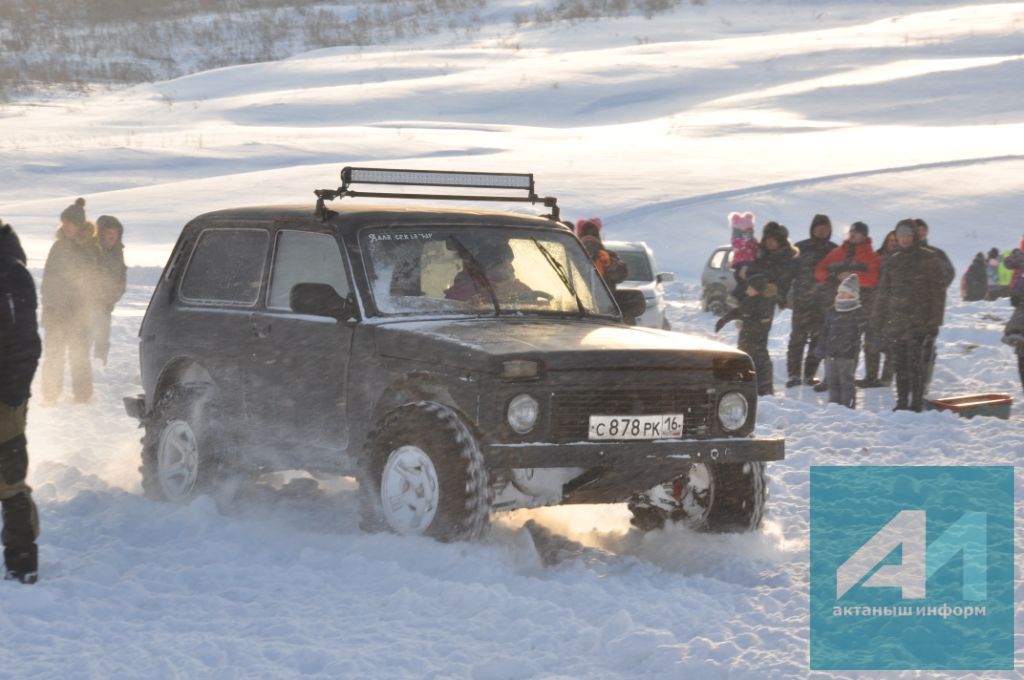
point(732, 411)
point(522, 413)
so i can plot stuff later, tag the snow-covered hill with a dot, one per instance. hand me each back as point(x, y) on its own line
point(862, 110)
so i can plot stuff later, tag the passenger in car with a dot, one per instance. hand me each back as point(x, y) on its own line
point(490, 267)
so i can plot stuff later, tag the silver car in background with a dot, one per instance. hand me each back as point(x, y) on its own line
point(717, 282)
point(643, 275)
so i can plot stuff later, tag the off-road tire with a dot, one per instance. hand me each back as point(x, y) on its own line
point(188, 404)
point(464, 501)
point(739, 493)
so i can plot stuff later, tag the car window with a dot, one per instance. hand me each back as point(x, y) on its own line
point(305, 257)
point(467, 271)
point(226, 267)
point(638, 266)
point(718, 259)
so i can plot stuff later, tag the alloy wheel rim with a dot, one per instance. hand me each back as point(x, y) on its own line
point(409, 490)
point(178, 460)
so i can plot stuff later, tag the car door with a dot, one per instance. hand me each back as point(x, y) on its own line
point(215, 300)
point(298, 373)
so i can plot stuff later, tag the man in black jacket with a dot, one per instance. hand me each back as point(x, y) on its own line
point(948, 276)
point(19, 355)
point(908, 311)
point(809, 304)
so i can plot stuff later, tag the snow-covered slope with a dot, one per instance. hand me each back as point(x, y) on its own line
point(859, 110)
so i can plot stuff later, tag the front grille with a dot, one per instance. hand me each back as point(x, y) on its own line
point(571, 410)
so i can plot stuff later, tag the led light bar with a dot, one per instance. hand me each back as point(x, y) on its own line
point(434, 178)
point(438, 178)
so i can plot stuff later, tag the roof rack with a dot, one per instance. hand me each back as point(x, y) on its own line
point(434, 178)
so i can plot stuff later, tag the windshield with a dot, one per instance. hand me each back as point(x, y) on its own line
point(638, 267)
point(493, 270)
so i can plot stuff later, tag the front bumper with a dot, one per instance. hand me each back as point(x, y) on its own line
point(682, 452)
point(615, 470)
point(135, 407)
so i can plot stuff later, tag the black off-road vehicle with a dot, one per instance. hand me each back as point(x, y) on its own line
point(455, 361)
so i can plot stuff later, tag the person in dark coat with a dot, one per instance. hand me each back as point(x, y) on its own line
point(1013, 334)
point(68, 295)
point(809, 304)
point(776, 260)
point(948, 276)
point(974, 282)
point(995, 258)
point(112, 280)
point(845, 322)
point(889, 246)
point(19, 355)
point(755, 313)
point(909, 311)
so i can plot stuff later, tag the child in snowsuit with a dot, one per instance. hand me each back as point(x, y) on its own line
point(744, 245)
point(755, 313)
point(839, 343)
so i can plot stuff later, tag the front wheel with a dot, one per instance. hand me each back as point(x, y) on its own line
point(712, 497)
point(425, 475)
point(177, 455)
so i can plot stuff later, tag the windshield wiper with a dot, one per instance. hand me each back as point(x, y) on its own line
point(560, 271)
point(475, 271)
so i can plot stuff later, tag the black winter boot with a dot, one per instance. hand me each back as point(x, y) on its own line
point(810, 369)
point(22, 565)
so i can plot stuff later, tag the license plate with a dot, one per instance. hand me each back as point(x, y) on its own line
point(636, 427)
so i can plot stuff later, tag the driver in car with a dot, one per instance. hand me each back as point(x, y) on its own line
point(492, 265)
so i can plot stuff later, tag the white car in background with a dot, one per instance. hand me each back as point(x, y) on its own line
point(643, 275)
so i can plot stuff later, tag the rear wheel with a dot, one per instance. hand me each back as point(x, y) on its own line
point(713, 497)
point(177, 451)
point(718, 306)
point(425, 475)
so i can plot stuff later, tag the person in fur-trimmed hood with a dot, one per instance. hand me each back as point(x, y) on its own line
point(776, 260)
point(112, 280)
point(845, 323)
point(68, 299)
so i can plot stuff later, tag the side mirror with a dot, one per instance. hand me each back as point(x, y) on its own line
point(631, 302)
point(320, 299)
point(665, 277)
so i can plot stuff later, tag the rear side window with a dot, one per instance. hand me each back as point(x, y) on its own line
point(638, 266)
point(718, 259)
point(305, 257)
point(226, 267)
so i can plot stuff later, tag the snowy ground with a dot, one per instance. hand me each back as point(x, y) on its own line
point(786, 108)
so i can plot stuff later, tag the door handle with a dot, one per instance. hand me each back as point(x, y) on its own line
point(260, 329)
